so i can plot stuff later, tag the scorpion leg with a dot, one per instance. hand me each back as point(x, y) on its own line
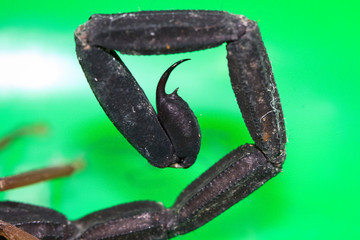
point(10, 232)
point(39, 175)
point(31, 177)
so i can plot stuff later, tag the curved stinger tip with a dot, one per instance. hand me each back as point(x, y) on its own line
point(160, 90)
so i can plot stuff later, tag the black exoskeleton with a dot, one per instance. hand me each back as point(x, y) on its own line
point(171, 138)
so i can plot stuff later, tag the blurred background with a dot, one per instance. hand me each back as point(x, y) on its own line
point(313, 47)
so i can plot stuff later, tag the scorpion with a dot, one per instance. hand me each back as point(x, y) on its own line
point(170, 137)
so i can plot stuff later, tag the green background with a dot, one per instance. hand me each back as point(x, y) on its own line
point(314, 50)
